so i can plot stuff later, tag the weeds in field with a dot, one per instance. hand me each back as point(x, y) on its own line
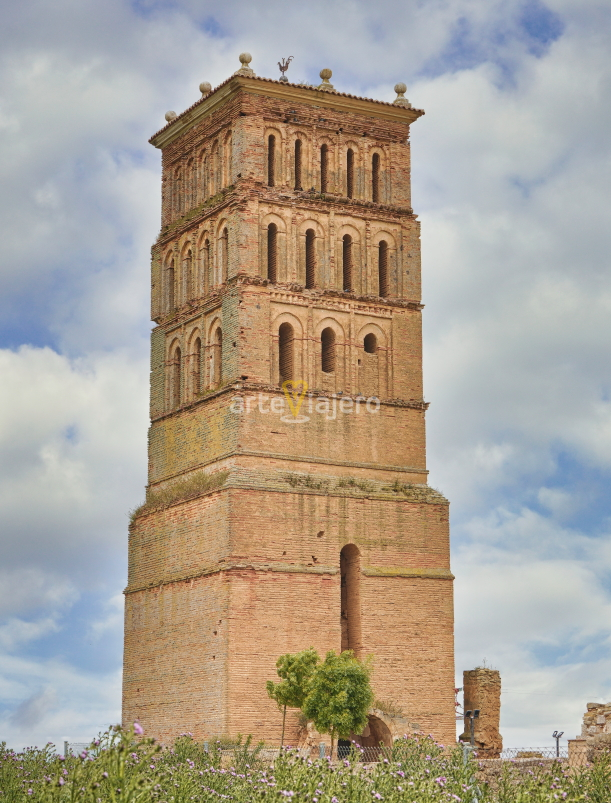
point(124, 767)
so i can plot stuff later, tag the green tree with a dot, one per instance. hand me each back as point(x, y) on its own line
point(296, 672)
point(339, 696)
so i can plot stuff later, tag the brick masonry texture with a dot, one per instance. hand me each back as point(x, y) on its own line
point(224, 579)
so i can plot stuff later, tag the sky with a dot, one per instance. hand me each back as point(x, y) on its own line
point(512, 183)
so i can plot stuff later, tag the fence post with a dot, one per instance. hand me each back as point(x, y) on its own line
point(65, 749)
point(206, 746)
point(322, 750)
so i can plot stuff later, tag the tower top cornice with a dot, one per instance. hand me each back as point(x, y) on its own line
point(296, 93)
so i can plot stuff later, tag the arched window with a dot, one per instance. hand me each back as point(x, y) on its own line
point(285, 352)
point(205, 179)
point(188, 184)
point(350, 173)
point(171, 286)
point(272, 252)
point(350, 573)
point(324, 167)
point(187, 267)
point(310, 258)
point(271, 160)
point(347, 262)
point(175, 378)
point(223, 256)
point(227, 151)
point(216, 358)
point(298, 164)
point(375, 178)
point(214, 170)
point(370, 344)
point(206, 278)
point(327, 339)
point(196, 367)
point(383, 269)
point(178, 193)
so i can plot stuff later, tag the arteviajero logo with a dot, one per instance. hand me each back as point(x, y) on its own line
point(296, 402)
point(295, 391)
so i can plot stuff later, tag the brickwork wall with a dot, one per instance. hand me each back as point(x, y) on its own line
point(223, 581)
point(175, 664)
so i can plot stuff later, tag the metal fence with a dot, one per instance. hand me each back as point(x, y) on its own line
point(526, 756)
point(340, 752)
point(511, 753)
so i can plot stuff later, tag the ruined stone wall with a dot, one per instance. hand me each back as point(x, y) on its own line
point(482, 690)
point(596, 720)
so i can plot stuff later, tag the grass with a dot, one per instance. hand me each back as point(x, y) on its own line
point(194, 485)
point(123, 767)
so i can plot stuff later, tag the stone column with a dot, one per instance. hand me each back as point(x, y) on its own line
point(482, 689)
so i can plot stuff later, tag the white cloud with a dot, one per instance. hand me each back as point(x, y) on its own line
point(73, 436)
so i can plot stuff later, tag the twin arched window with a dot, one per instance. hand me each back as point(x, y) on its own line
point(286, 339)
point(286, 342)
point(191, 385)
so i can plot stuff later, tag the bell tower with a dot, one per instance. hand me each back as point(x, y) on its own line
point(287, 503)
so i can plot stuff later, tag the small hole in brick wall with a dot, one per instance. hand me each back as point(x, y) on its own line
point(284, 553)
point(244, 377)
point(359, 362)
point(320, 534)
point(215, 632)
point(214, 657)
point(234, 344)
point(314, 558)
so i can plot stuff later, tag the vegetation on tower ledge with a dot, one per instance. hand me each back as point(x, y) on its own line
point(188, 488)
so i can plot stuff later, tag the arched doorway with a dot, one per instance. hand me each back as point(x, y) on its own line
point(375, 737)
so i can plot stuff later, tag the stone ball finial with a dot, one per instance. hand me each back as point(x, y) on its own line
point(205, 87)
point(401, 100)
point(245, 59)
point(169, 116)
point(325, 74)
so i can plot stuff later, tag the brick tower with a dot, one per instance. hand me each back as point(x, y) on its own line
point(288, 251)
